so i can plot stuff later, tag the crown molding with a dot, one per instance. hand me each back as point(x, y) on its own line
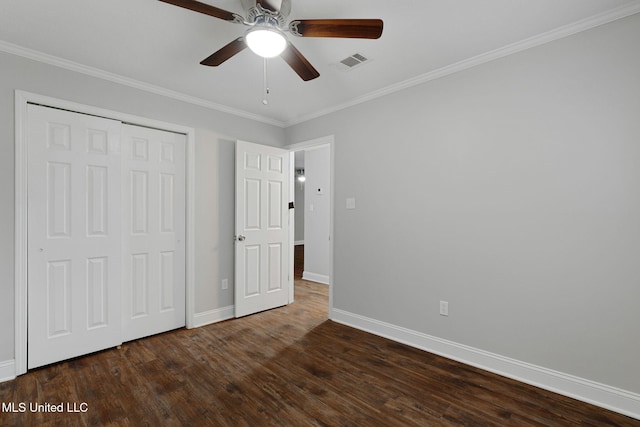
point(126, 81)
point(531, 42)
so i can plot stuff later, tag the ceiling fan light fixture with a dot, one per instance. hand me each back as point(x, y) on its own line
point(266, 42)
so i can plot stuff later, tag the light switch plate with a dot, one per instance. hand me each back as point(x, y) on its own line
point(351, 203)
point(444, 308)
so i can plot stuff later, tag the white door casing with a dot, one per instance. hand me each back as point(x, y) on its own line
point(292, 224)
point(153, 231)
point(74, 254)
point(262, 228)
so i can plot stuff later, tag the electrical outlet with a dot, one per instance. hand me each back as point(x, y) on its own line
point(225, 284)
point(444, 308)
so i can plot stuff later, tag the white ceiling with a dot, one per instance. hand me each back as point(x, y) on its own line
point(159, 46)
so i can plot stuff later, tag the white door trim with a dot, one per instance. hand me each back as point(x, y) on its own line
point(310, 145)
point(22, 98)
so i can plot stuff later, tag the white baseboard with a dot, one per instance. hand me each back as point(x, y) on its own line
point(213, 316)
point(7, 370)
point(298, 243)
point(615, 399)
point(314, 277)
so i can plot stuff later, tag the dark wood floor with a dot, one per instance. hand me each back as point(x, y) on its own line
point(298, 261)
point(285, 367)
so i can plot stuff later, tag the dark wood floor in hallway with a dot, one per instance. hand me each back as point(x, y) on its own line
point(288, 366)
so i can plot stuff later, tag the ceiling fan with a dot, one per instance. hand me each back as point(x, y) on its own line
point(266, 35)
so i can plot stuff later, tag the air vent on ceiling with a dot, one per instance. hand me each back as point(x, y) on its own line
point(352, 62)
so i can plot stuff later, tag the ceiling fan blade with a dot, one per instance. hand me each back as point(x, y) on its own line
point(231, 49)
point(343, 28)
point(206, 9)
point(299, 63)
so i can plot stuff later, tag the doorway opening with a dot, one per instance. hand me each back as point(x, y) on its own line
point(312, 192)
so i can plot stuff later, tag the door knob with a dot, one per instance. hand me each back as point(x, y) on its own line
point(241, 238)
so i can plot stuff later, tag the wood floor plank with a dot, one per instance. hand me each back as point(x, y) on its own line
point(285, 367)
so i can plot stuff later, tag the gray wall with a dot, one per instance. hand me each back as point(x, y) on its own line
point(317, 221)
point(215, 135)
point(510, 190)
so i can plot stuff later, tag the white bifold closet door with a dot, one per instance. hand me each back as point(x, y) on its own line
point(154, 228)
point(74, 244)
point(106, 233)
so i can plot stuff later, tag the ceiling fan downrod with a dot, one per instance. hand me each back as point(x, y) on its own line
point(260, 16)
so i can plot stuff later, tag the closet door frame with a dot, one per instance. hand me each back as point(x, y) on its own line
point(23, 98)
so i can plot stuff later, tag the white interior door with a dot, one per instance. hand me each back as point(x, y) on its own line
point(262, 228)
point(74, 234)
point(154, 228)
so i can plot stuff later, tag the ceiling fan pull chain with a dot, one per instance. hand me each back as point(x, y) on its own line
point(266, 84)
point(265, 101)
